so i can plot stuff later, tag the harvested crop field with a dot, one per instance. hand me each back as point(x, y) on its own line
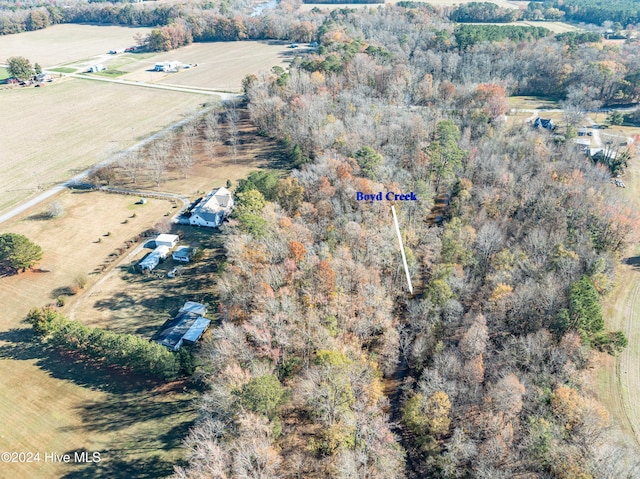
point(52, 133)
point(67, 43)
point(221, 65)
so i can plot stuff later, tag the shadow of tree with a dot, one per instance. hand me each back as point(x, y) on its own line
point(24, 345)
point(113, 465)
point(62, 291)
point(124, 410)
point(44, 216)
point(633, 261)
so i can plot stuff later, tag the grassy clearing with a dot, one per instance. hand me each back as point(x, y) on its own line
point(531, 103)
point(221, 65)
point(120, 299)
point(55, 132)
point(67, 43)
point(3, 73)
point(618, 380)
point(129, 302)
point(63, 70)
point(59, 404)
point(110, 73)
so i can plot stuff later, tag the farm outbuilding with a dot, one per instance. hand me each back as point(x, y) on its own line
point(167, 67)
point(167, 240)
point(153, 259)
point(186, 328)
point(212, 209)
point(182, 254)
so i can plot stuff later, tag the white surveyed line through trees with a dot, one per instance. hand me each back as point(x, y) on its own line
point(404, 258)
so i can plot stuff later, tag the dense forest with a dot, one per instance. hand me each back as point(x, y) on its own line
point(324, 365)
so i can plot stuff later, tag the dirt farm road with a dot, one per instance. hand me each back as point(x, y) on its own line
point(200, 91)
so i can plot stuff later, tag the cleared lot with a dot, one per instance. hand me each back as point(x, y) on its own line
point(67, 43)
point(49, 134)
point(221, 65)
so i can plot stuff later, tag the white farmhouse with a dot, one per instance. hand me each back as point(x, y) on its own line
point(212, 209)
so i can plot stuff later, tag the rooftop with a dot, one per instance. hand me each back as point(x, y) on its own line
point(217, 200)
point(188, 325)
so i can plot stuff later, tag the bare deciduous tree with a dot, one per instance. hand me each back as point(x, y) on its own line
point(133, 165)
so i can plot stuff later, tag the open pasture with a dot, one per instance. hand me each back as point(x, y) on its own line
point(60, 44)
point(51, 133)
point(221, 65)
point(55, 403)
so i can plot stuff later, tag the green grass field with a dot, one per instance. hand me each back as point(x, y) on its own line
point(110, 73)
point(3, 73)
point(63, 70)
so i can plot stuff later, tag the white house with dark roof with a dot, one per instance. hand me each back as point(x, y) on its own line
point(212, 209)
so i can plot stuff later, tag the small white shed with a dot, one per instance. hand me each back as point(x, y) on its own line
point(167, 240)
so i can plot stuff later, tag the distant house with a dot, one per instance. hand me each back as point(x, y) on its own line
point(212, 209)
point(585, 143)
point(547, 124)
point(97, 68)
point(153, 259)
point(602, 153)
point(167, 240)
point(186, 328)
point(182, 254)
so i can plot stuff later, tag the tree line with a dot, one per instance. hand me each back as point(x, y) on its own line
point(127, 351)
point(624, 12)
